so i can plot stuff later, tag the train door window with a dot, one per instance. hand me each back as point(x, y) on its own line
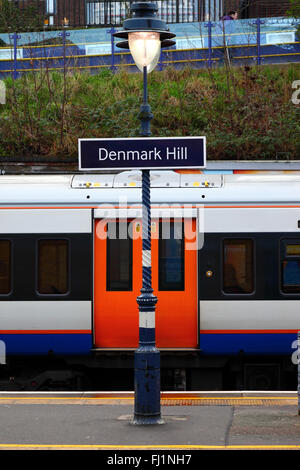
point(171, 256)
point(5, 266)
point(238, 267)
point(53, 267)
point(119, 257)
point(290, 267)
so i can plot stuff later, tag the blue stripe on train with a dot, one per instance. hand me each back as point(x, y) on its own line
point(264, 343)
point(70, 343)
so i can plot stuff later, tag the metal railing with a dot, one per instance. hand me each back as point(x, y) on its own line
point(208, 44)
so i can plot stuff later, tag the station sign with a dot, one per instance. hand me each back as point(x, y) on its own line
point(142, 153)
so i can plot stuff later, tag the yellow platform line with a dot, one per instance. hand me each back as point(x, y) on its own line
point(66, 398)
point(150, 447)
point(170, 398)
point(165, 401)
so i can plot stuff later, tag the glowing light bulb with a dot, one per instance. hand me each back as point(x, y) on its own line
point(145, 48)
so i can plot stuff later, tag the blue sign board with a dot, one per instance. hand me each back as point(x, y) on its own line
point(144, 153)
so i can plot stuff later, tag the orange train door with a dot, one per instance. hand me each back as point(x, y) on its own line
point(118, 280)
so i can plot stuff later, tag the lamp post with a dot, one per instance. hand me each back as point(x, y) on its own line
point(145, 35)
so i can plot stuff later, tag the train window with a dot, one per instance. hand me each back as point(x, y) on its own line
point(5, 266)
point(53, 267)
point(290, 268)
point(238, 269)
point(171, 256)
point(119, 257)
point(290, 276)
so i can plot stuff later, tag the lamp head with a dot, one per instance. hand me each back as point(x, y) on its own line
point(145, 35)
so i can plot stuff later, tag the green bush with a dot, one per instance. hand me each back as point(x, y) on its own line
point(250, 116)
point(14, 18)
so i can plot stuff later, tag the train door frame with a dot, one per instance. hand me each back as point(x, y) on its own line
point(191, 213)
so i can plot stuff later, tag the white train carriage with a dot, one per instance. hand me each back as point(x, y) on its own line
point(225, 267)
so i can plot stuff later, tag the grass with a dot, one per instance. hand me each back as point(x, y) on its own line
point(245, 113)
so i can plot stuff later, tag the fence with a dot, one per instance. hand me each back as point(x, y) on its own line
point(208, 44)
point(86, 13)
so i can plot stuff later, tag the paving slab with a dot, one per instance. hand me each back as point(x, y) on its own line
point(265, 425)
point(91, 424)
point(110, 425)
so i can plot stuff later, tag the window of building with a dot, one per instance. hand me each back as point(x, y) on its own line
point(238, 268)
point(50, 12)
point(119, 257)
point(53, 267)
point(5, 266)
point(171, 256)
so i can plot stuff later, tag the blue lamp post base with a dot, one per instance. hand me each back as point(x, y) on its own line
point(147, 386)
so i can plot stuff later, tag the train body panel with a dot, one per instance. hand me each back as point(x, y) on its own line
point(40, 220)
point(38, 327)
point(251, 327)
point(45, 344)
point(255, 343)
point(53, 190)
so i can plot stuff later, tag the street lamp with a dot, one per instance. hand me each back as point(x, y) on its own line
point(145, 35)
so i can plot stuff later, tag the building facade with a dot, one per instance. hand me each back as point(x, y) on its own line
point(76, 13)
point(258, 8)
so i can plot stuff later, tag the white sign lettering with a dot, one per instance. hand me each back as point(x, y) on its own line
point(172, 153)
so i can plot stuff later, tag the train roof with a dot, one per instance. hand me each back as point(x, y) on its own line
point(220, 182)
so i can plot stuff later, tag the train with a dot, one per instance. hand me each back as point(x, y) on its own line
point(225, 269)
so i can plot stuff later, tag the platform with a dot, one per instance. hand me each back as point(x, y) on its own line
point(193, 421)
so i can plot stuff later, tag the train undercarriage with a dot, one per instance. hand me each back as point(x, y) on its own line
point(179, 372)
